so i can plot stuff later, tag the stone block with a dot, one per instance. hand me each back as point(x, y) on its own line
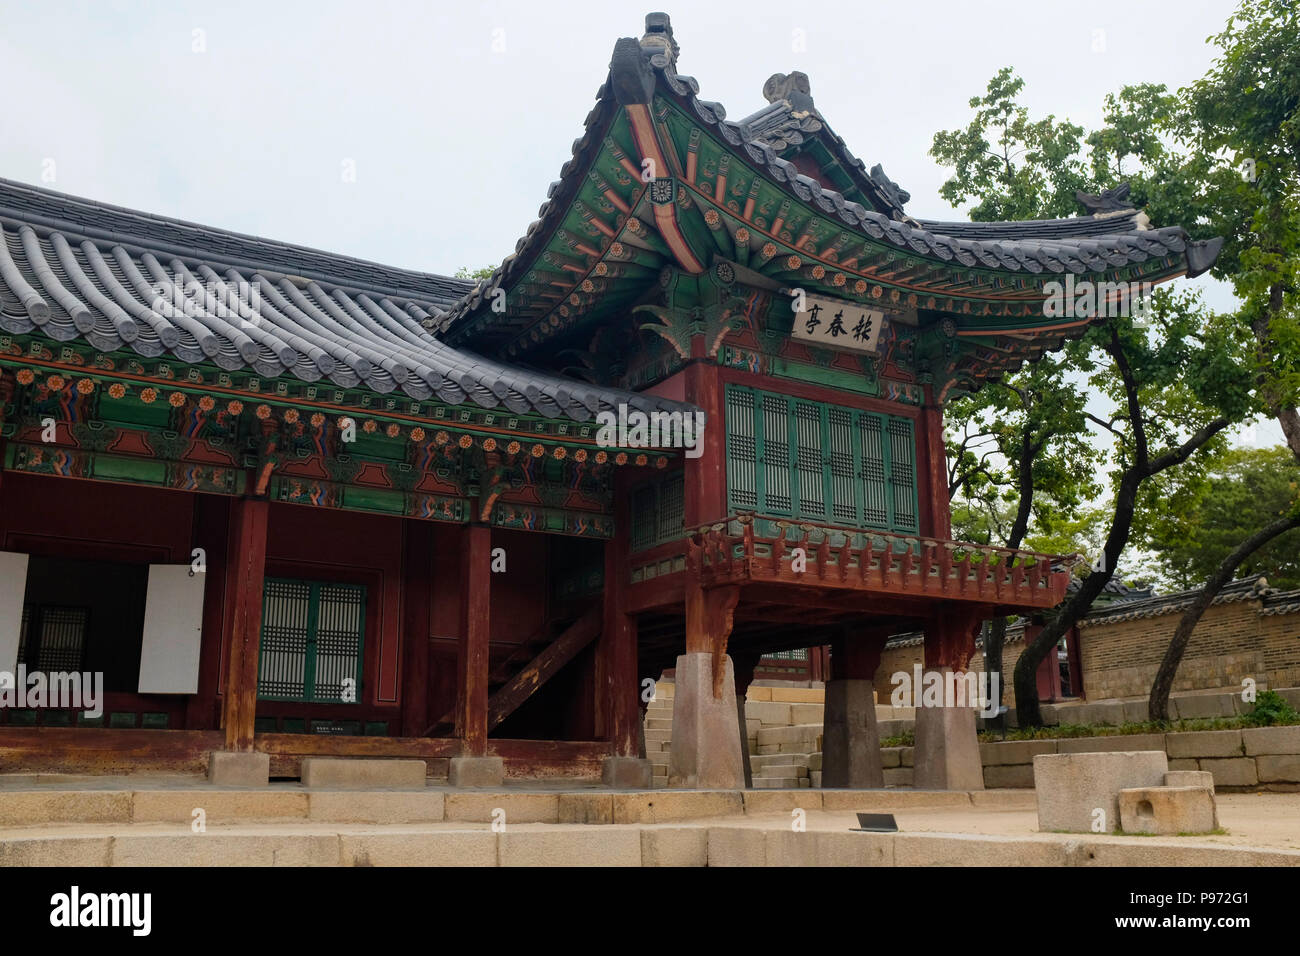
point(1185, 763)
point(707, 751)
point(1137, 711)
point(1009, 752)
point(360, 773)
point(852, 748)
point(893, 728)
point(1118, 743)
point(799, 695)
point(892, 801)
point(1071, 787)
point(1110, 713)
point(564, 846)
point(906, 756)
point(1232, 772)
point(218, 806)
point(1271, 740)
point(64, 851)
point(947, 754)
point(225, 849)
point(1204, 743)
point(736, 846)
point(1013, 775)
point(674, 846)
point(950, 849)
point(437, 848)
point(891, 757)
point(517, 807)
point(231, 768)
point(625, 773)
point(476, 772)
point(811, 713)
point(781, 801)
point(27, 808)
point(767, 713)
point(1202, 706)
point(672, 806)
point(1190, 778)
point(898, 776)
point(379, 806)
point(1167, 811)
point(1278, 768)
point(585, 807)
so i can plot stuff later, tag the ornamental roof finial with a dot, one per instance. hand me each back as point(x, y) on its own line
point(658, 39)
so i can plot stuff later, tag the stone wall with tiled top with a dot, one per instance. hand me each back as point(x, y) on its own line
point(1231, 642)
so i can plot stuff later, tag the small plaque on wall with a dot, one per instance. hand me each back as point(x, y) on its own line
point(838, 323)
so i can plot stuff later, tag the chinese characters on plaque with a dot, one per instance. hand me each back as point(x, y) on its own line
point(839, 324)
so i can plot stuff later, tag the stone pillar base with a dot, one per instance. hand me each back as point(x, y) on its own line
point(626, 773)
point(947, 753)
point(850, 742)
point(476, 772)
point(239, 768)
point(706, 749)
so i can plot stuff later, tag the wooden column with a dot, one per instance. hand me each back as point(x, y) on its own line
point(472, 646)
point(934, 473)
point(705, 485)
point(417, 588)
point(617, 686)
point(248, 573)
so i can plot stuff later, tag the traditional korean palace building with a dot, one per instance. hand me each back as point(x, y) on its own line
point(291, 503)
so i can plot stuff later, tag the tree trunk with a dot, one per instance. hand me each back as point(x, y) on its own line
point(1164, 681)
point(994, 641)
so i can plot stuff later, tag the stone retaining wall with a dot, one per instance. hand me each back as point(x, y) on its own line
point(1257, 758)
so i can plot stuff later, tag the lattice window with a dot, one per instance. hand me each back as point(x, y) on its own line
point(658, 512)
point(53, 637)
point(809, 464)
point(312, 640)
point(902, 472)
point(790, 457)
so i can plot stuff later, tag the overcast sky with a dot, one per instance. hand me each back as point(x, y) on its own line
point(425, 135)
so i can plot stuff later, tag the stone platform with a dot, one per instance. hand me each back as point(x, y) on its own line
point(136, 821)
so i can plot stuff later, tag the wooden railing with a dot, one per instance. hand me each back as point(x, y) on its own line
point(863, 559)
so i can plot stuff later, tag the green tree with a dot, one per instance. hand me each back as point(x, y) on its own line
point(465, 272)
point(1243, 118)
point(1176, 380)
point(1022, 459)
point(1193, 521)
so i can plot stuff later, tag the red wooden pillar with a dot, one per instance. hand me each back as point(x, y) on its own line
point(705, 485)
point(417, 587)
point(934, 470)
point(617, 698)
point(248, 567)
point(472, 645)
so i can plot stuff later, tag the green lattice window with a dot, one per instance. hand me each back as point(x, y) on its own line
point(312, 638)
point(658, 512)
point(789, 457)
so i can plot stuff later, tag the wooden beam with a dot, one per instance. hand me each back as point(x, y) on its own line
point(543, 667)
point(248, 574)
point(472, 644)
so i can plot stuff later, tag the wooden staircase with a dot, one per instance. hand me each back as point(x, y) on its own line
point(529, 666)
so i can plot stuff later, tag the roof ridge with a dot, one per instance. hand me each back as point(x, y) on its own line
point(50, 209)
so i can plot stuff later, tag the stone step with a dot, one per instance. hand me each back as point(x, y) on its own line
point(789, 735)
point(659, 723)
